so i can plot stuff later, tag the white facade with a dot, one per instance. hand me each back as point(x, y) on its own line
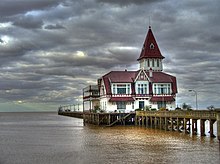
point(154, 64)
point(122, 99)
point(107, 106)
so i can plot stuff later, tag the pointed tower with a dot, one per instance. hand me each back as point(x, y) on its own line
point(150, 57)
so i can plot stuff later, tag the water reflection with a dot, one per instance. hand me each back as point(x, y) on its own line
point(141, 145)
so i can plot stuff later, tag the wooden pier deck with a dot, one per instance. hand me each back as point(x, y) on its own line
point(107, 119)
point(71, 114)
point(185, 121)
point(110, 119)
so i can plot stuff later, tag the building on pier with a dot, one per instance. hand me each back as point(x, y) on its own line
point(125, 91)
point(91, 97)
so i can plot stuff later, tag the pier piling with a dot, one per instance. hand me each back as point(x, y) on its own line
point(183, 121)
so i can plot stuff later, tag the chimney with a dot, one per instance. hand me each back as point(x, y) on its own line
point(151, 72)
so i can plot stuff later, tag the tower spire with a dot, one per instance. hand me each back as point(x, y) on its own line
point(150, 56)
point(150, 48)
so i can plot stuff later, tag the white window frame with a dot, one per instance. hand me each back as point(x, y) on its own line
point(142, 87)
point(115, 87)
point(162, 88)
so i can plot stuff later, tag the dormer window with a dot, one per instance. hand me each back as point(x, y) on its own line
point(151, 46)
point(142, 76)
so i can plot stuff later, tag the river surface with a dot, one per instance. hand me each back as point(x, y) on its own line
point(46, 138)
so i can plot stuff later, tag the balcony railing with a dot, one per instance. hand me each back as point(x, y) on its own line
point(91, 88)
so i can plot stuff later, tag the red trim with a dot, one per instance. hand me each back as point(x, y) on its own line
point(162, 98)
point(117, 99)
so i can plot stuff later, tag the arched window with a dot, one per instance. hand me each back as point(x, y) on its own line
point(151, 46)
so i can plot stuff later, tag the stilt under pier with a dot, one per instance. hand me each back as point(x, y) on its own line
point(183, 121)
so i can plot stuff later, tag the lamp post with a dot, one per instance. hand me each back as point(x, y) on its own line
point(191, 90)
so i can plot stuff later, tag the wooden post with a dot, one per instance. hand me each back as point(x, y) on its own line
point(155, 122)
point(184, 125)
point(151, 121)
point(171, 123)
point(143, 120)
point(165, 123)
point(202, 127)
point(147, 120)
point(194, 126)
point(139, 121)
point(135, 122)
point(98, 120)
point(177, 124)
point(109, 119)
point(160, 122)
point(189, 126)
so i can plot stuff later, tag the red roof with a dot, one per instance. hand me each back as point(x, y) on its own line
point(160, 77)
point(121, 76)
point(162, 98)
point(130, 76)
point(117, 99)
point(150, 48)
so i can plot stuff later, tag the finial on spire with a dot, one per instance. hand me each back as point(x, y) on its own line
point(149, 23)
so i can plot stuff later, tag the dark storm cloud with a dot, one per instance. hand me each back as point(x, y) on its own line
point(14, 7)
point(29, 22)
point(127, 2)
point(50, 50)
point(54, 27)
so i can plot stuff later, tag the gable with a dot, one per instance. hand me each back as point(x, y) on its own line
point(142, 76)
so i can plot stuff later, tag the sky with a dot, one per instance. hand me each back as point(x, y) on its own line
point(50, 50)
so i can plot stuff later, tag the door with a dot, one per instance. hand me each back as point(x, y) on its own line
point(141, 104)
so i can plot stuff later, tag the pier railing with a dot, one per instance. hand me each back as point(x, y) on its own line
point(180, 114)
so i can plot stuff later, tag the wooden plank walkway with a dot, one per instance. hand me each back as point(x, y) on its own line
point(185, 121)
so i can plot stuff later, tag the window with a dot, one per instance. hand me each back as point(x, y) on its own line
point(162, 89)
point(142, 88)
point(121, 105)
point(142, 76)
point(151, 46)
point(128, 90)
point(121, 89)
point(113, 89)
point(158, 63)
point(161, 104)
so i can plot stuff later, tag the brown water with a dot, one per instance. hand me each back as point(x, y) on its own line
point(46, 138)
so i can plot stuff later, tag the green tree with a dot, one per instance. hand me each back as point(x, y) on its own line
point(186, 106)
